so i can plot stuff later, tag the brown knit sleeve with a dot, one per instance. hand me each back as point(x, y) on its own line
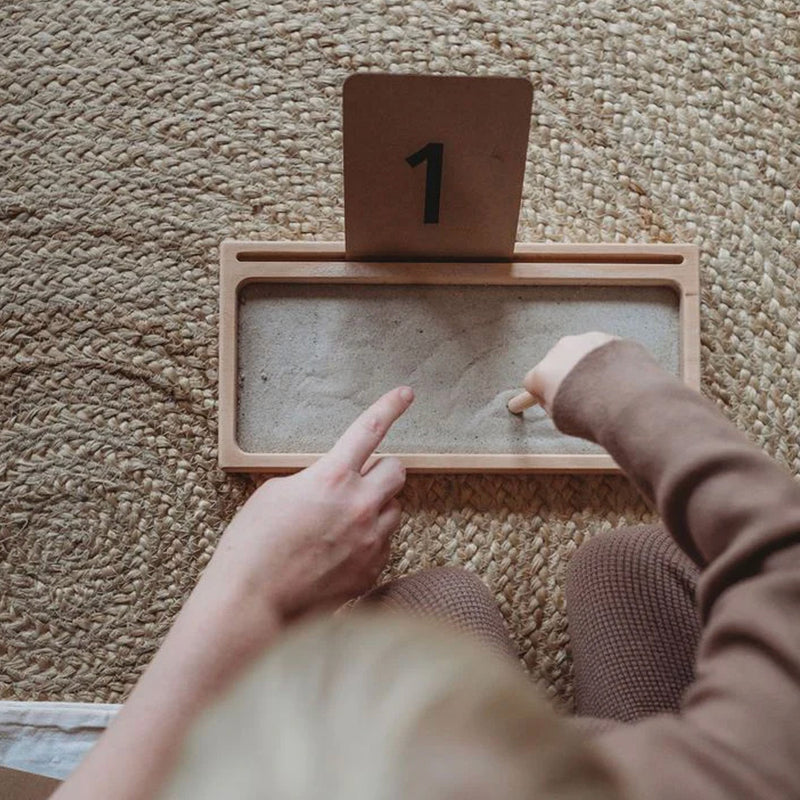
point(737, 513)
point(726, 503)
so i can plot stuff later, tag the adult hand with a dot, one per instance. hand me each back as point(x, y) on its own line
point(544, 380)
point(321, 536)
point(315, 538)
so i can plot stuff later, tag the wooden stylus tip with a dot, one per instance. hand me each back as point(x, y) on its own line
point(518, 403)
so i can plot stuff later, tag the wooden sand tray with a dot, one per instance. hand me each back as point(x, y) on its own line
point(243, 264)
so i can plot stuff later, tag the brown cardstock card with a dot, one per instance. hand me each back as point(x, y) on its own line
point(433, 166)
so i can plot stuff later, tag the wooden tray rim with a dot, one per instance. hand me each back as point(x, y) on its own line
point(244, 262)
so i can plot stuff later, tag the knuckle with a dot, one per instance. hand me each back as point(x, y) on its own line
point(396, 467)
point(362, 512)
point(336, 474)
point(394, 518)
point(566, 342)
point(534, 379)
point(393, 506)
point(531, 378)
point(372, 424)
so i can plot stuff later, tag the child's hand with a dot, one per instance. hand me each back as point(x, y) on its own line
point(544, 380)
point(321, 536)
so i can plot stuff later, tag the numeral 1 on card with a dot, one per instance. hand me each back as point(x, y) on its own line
point(433, 154)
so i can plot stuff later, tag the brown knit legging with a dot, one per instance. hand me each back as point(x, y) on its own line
point(632, 619)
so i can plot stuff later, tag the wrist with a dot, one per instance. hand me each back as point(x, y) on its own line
point(217, 634)
point(244, 571)
point(229, 610)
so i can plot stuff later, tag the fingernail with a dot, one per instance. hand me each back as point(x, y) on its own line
point(407, 394)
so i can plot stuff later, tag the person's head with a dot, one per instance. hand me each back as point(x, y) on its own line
point(374, 706)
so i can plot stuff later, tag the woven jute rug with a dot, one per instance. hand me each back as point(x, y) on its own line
point(135, 136)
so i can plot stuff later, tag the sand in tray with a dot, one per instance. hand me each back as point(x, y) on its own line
point(313, 356)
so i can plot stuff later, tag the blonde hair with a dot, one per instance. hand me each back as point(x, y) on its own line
point(375, 706)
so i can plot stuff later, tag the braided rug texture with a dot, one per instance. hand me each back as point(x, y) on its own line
point(135, 136)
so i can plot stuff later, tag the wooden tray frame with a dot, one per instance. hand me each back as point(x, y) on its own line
point(243, 262)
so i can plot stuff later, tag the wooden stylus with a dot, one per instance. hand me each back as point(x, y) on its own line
point(518, 403)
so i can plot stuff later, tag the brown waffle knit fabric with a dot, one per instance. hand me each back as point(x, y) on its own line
point(633, 624)
point(453, 596)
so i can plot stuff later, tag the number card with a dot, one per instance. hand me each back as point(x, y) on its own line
point(433, 166)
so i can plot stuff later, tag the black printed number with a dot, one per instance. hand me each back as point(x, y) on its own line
point(433, 153)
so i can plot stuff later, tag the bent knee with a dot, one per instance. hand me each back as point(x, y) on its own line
point(628, 547)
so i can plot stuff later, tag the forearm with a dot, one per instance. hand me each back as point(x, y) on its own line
point(724, 501)
point(218, 632)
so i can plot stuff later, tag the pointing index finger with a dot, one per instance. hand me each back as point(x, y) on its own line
point(359, 441)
